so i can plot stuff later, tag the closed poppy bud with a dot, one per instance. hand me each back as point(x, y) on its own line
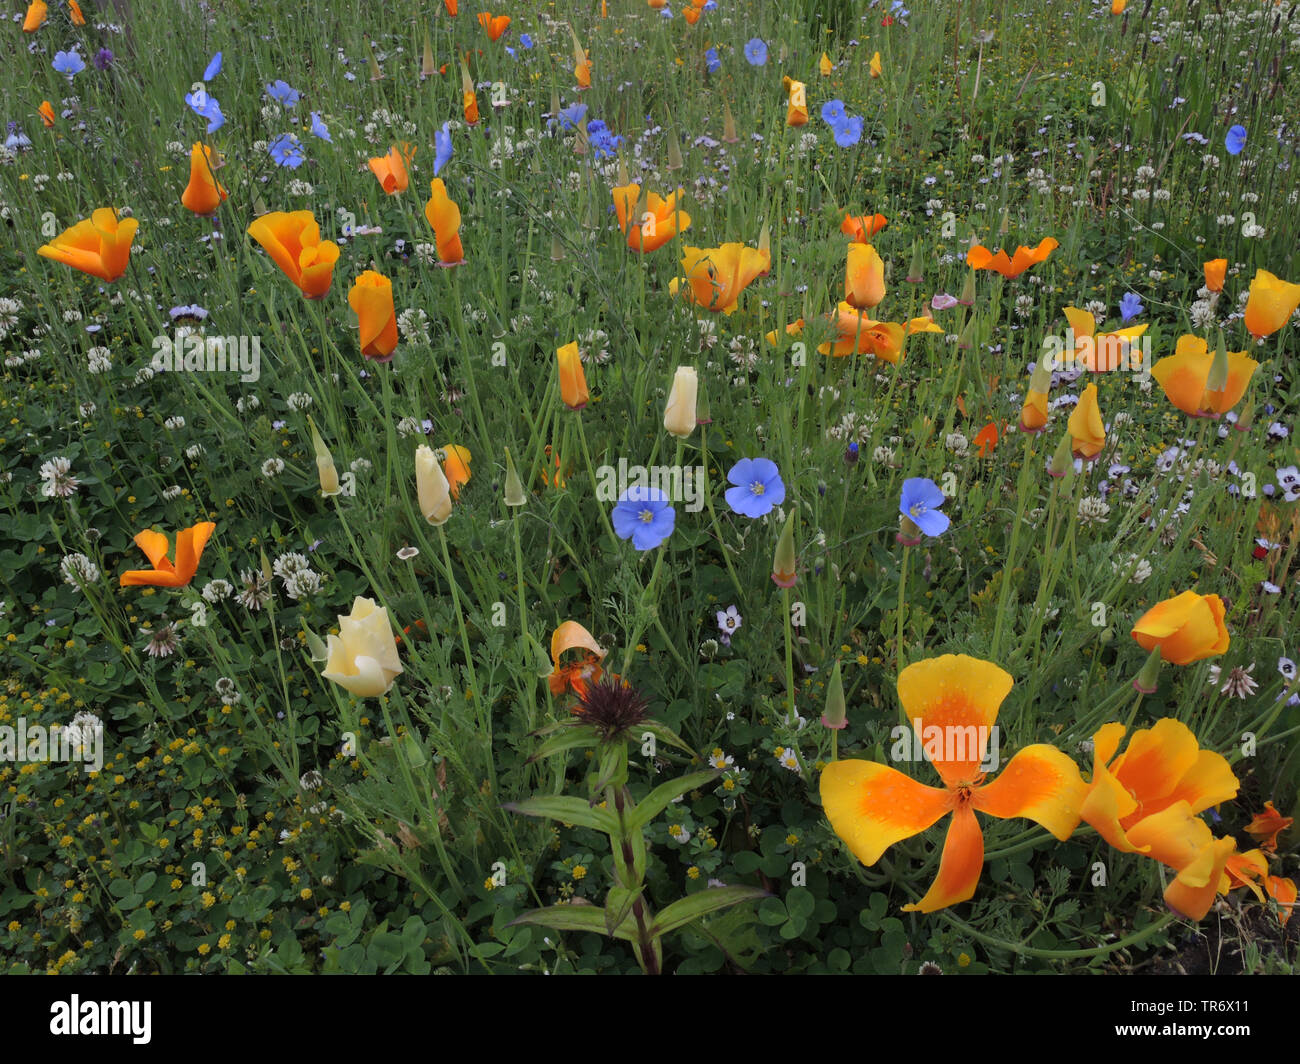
point(783, 564)
point(1270, 304)
point(514, 490)
point(825, 65)
point(444, 216)
point(47, 114)
point(967, 297)
point(1145, 681)
point(679, 415)
point(37, 11)
point(1217, 378)
point(1117, 6)
point(100, 245)
point(329, 476)
point(1186, 628)
point(914, 271)
point(1246, 419)
point(203, 195)
point(877, 67)
point(431, 487)
point(966, 340)
point(468, 99)
point(1215, 270)
point(835, 715)
point(573, 381)
point(391, 169)
point(582, 73)
point(1060, 463)
point(864, 281)
point(1087, 432)
point(451, 6)
point(797, 110)
point(74, 12)
point(427, 67)
point(729, 134)
point(371, 298)
point(363, 656)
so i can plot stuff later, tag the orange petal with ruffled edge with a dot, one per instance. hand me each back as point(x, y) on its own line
point(1182, 841)
point(1207, 783)
point(872, 806)
point(954, 691)
point(455, 464)
point(1265, 827)
point(570, 635)
point(1082, 322)
point(1248, 869)
point(1026, 257)
point(862, 227)
point(1155, 761)
point(189, 548)
point(959, 865)
point(1040, 784)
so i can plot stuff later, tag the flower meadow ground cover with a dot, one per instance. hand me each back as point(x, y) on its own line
point(623, 487)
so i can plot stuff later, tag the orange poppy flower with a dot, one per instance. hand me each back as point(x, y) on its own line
point(99, 245)
point(204, 194)
point(1100, 352)
point(582, 72)
point(573, 381)
point(923, 324)
point(952, 702)
point(1215, 270)
point(1270, 304)
point(859, 334)
point(715, 277)
point(691, 15)
point(1184, 376)
point(1087, 430)
point(189, 549)
point(444, 216)
point(74, 12)
point(575, 675)
point(1145, 801)
point(391, 168)
point(47, 114)
point(863, 227)
point(455, 466)
point(987, 438)
point(1265, 827)
point(451, 6)
point(292, 239)
point(1186, 628)
point(795, 328)
point(371, 298)
point(659, 222)
point(494, 26)
point(980, 258)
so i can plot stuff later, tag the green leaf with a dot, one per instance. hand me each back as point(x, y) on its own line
point(682, 912)
point(618, 904)
point(568, 739)
point(566, 810)
point(662, 796)
point(574, 918)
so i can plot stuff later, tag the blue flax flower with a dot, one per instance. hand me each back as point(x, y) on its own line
point(920, 503)
point(759, 488)
point(642, 514)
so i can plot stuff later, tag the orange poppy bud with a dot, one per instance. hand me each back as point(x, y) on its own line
point(204, 194)
point(1215, 270)
point(1117, 6)
point(451, 6)
point(1270, 304)
point(47, 114)
point(573, 381)
point(74, 12)
point(391, 168)
point(37, 11)
point(292, 239)
point(691, 15)
point(1186, 628)
point(1087, 431)
point(444, 216)
point(100, 245)
point(371, 298)
point(864, 280)
point(189, 549)
point(455, 465)
point(796, 113)
point(1033, 415)
point(877, 68)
